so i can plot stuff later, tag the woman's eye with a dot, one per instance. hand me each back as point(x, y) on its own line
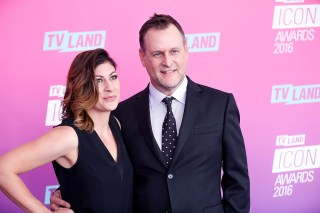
point(114, 77)
point(99, 80)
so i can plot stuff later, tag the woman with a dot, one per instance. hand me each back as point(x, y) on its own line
point(88, 154)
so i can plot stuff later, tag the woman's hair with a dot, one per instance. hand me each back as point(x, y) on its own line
point(81, 91)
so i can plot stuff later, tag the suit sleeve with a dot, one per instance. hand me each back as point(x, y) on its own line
point(235, 180)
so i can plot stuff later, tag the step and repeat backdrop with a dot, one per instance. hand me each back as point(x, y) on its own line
point(266, 53)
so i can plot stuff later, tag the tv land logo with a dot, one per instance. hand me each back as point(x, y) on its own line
point(54, 109)
point(203, 42)
point(48, 193)
point(65, 41)
point(294, 164)
point(295, 22)
point(289, 94)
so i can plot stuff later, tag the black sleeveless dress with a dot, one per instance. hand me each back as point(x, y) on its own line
point(96, 183)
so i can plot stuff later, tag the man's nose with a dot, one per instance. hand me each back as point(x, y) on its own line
point(166, 60)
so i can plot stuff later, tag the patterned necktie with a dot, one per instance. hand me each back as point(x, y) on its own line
point(169, 132)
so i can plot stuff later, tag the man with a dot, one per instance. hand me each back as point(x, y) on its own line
point(208, 134)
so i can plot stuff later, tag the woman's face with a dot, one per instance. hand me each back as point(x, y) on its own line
point(108, 86)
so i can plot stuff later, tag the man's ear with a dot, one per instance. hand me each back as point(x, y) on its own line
point(142, 57)
point(186, 48)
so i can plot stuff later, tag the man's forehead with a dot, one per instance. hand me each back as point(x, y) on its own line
point(163, 42)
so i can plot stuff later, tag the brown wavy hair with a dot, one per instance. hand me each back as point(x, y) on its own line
point(81, 90)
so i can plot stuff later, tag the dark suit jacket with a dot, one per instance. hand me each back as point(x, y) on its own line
point(210, 139)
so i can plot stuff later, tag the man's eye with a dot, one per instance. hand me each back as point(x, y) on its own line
point(175, 51)
point(157, 54)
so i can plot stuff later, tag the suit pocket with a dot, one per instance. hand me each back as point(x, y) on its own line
point(207, 129)
point(214, 209)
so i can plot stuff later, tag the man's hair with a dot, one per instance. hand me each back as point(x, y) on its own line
point(158, 22)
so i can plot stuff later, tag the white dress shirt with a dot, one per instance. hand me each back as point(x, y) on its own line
point(158, 109)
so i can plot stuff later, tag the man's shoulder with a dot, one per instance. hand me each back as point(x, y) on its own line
point(192, 85)
point(132, 98)
point(209, 91)
point(128, 103)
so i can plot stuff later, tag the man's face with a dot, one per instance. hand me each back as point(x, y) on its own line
point(165, 58)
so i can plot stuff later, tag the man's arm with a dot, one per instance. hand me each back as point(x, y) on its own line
point(235, 180)
point(56, 201)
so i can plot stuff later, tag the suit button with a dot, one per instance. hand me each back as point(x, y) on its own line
point(170, 176)
point(168, 211)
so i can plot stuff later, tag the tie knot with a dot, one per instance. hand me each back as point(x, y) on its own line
point(168, 101)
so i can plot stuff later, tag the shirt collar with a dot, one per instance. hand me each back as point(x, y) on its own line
point(156, 96)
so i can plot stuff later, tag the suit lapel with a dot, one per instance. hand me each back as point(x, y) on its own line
point(142, 111)
point(189, 116)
